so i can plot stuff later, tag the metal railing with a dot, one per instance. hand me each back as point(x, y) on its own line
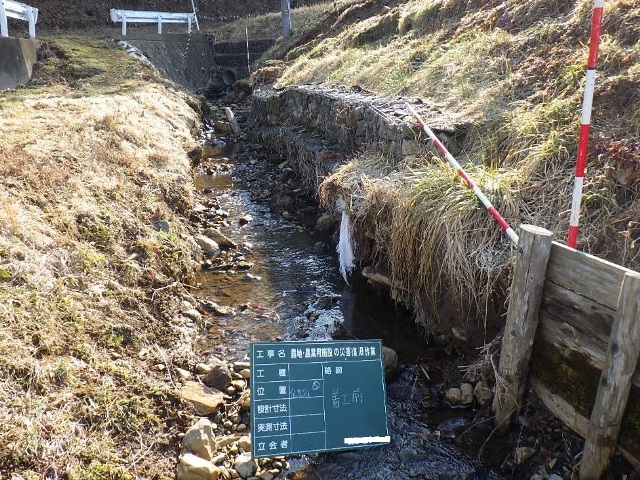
point(138, 16)
point(21, 11)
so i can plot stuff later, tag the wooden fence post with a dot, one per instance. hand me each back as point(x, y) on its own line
point(615, 382)
point(534, 248)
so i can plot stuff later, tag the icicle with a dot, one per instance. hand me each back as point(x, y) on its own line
point(345, 245)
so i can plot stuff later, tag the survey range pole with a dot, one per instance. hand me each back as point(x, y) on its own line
point(585, 122)
point(286, 18)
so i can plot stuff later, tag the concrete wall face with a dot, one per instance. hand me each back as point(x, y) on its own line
point(185, 59)
point(195, 60)
point(17, 58)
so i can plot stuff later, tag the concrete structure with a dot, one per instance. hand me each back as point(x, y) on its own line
point(183, 58)
point(17, 57)
point(194, 60)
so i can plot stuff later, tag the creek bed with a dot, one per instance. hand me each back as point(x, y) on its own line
point(289, 288)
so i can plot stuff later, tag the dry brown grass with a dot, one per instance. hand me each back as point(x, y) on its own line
point(91, 156)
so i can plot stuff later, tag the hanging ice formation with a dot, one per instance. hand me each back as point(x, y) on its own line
point(345, 245)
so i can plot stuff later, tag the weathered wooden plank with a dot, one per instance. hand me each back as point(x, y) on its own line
point(561, 409)
point(534, 247)
point(571, 321)
point(589, 276)
point(615, 385)
point(582, 321)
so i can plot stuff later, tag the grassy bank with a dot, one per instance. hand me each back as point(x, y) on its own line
point(513, 72)
point(94, 182)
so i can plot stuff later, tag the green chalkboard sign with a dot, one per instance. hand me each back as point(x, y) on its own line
point(317, 396)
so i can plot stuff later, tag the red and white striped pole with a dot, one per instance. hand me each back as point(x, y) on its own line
point(470, 183)
point(585, 122)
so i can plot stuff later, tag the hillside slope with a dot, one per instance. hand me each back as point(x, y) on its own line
point(513, 71)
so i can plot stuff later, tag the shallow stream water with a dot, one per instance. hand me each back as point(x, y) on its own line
point(293, 291)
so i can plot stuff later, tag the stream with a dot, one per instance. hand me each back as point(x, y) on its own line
point(282, 283)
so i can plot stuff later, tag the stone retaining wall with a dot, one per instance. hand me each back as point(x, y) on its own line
point(352, 119)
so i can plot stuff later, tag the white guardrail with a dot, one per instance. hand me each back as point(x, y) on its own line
point(21, 11)
point(136, 16)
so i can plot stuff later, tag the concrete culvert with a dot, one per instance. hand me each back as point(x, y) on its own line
point(229, 77)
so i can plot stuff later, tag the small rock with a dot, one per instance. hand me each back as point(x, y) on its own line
point(230, 390)
point(319, 247)
point(245, 400)
point(239, 385)
point(222, 310)
point(183, 374)
point(199, 208)
point(459, 334)
point(224, 242)
point(241, 428)
point(390, 362)
point(192, 467)
point(202, 368)
point(483, 394)
point(326, 224)
point(161, 367)
point(219, 377)
point(555, 476)
point(453, 396)
point(466, 394)
point(221, 457)
point(243, 220)
point(266, 476)
point(222, 127)
point(205, 400)
point(286, 215)
point(245, 465)
point(246, 373)
point(208, 246)
point(241, 365)
point(522, 454)
point(326, 302)
point(227, 424)
point(200, 439)
point(193, 314)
